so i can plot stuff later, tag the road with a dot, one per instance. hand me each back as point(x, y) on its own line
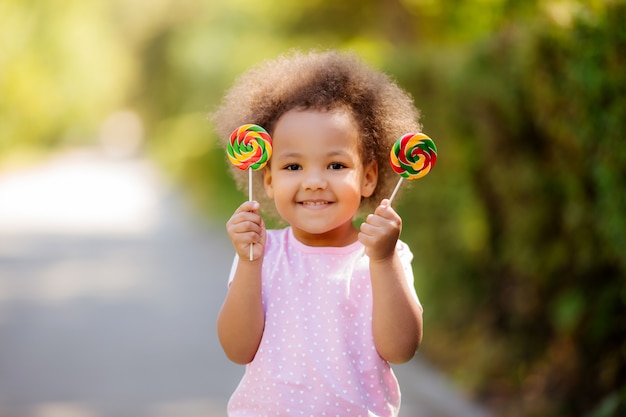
point(110, 286)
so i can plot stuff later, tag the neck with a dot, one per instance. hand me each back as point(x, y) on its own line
point(340, 237)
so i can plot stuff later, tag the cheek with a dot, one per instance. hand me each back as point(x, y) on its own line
point(275, 183)
point(282, 186)
point(352, 181)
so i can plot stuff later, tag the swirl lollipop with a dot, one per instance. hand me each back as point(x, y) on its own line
point(412, 156)
point(249, 148)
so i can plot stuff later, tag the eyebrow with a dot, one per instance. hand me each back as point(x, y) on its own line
point(298, 154)
point(287, 155)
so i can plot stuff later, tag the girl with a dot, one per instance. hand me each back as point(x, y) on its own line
point(324, 306)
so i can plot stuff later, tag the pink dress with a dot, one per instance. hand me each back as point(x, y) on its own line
point(317, 355)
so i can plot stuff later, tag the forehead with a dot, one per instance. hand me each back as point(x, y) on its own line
point(333, 129)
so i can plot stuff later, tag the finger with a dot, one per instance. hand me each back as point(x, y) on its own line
point(248, 206)
point(379, 227)
point(377, 221)
point(241, 224)
point(249, 237)
point(371, 232)
point(246, 216)
point(368, 227)
point(385, 210)
point(245, 227)
point(374, 220)
point(366, 239)
point(242, 242)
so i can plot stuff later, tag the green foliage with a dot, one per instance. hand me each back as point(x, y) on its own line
point(48, 96)
point(538, 113)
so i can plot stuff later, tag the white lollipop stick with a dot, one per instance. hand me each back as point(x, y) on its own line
point(395, 190)
point(250, 199)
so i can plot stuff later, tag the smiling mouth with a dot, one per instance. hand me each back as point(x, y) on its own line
point(315, 203)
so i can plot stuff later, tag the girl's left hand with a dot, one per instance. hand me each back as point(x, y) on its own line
point(380, 232)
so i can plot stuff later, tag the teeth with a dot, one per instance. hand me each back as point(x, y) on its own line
point(314, 203)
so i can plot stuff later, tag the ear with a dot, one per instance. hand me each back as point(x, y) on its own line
point(267, 182)
point(370, 179)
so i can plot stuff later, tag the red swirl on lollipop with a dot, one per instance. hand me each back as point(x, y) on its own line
point(249, 148)
point(412, 156)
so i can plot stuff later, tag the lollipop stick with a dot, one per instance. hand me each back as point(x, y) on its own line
point(395, 190)
point(249, 184)
point(250, 199)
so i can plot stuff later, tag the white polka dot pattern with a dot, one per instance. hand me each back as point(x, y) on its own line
point(317, 355)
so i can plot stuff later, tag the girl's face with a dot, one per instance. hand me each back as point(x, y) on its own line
point(316, 176)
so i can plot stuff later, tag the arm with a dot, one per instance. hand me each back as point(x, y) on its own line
point(397, 317)
point(241, 319)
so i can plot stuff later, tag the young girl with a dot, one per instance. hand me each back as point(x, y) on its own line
point(323, 307)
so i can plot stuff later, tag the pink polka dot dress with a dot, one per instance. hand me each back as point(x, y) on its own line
point(317, 355)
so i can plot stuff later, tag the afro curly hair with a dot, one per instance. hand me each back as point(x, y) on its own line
point(322, 81)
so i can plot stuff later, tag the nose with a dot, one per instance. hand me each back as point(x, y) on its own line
point(314, 180)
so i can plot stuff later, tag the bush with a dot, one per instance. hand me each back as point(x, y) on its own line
point(525, 290)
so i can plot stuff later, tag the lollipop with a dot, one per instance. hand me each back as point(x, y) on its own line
point(412, 156)
point(249, 148)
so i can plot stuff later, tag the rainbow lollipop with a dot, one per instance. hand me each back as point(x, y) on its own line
point(412, 156)
point(249, 148)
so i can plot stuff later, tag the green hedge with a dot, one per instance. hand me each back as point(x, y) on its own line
point(521, 255)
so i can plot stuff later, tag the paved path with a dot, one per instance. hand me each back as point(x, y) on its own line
point(109, 291)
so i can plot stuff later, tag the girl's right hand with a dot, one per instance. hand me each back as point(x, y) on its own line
point(246, 228)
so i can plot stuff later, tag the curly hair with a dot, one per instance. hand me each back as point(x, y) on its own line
point(322, 81)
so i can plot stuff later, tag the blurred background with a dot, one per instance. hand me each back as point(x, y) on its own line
point(518, 233)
